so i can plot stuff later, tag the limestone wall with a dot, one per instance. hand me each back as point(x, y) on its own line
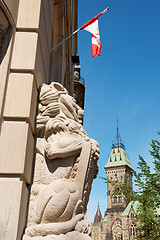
point(26, 63)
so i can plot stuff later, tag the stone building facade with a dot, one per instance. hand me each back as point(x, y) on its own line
point(29, 29)
point(118, 222)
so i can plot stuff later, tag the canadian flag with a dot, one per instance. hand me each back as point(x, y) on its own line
point(96, 44)
point(92, 27)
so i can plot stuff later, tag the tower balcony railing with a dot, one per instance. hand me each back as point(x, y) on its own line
point(117, 145)
point(79, 90)
point(81, 80)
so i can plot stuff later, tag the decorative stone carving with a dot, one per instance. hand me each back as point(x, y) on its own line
point(66, 164)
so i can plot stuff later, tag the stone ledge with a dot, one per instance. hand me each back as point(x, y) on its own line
point(71, 235)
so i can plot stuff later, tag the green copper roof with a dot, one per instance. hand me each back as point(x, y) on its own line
point(132, 204)
point(158, 211)
point(118, 157)
point(135, 206)
point(105, 219)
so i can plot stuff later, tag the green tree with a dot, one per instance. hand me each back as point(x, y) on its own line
point(148, 194)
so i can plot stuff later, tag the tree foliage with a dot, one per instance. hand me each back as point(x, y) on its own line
point(148, 194)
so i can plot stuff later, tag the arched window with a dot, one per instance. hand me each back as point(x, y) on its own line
point(132, 230)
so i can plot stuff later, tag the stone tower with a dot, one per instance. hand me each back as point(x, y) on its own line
point(96, 226)
point(119, 219)
point(117, 168)
point(98, 216)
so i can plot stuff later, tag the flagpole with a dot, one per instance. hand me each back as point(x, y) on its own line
point(105, 10)
point(66, 39)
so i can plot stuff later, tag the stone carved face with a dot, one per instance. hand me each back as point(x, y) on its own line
point(55, 102)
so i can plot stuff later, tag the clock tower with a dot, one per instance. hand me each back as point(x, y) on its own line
point(117, 168)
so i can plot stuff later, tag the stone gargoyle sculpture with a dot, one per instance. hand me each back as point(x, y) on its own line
point(65, 166)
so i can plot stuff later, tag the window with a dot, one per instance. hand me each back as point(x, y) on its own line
point(120, 199)
point(132, 230)
point(115, 199)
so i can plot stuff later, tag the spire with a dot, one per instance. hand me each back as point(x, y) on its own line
point(118, 156)
point(118, 141)
point(98, 216)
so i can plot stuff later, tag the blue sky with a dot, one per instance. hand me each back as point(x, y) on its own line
point(124, 81)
